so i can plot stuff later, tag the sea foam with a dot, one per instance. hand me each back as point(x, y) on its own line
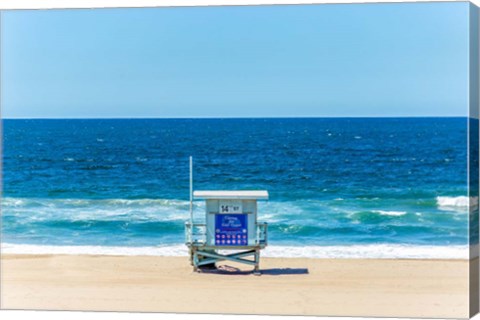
point(374, 251)
point(390, 213)
point(38, 209)
point(453, 203)
point(143, 223)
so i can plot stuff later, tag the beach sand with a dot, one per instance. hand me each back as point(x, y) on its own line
point(335, 287)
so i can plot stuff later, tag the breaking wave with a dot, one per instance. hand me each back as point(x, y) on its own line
point(390, 213)
point(383, 251)
point(453, 203)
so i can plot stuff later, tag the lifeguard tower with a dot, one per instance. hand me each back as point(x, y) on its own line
point(230, 224)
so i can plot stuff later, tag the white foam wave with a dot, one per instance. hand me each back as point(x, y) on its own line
point(374, 251)
point(39, 209)
point(172, 251)
point(12, 202)
point(390, 213)
point(453, 203)
point(98, 209)
point(91, 202)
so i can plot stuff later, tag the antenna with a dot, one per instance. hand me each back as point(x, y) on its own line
point(191, 190)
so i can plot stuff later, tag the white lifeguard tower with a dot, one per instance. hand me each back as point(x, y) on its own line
point(230, 224)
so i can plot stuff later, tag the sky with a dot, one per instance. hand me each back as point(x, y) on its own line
point(360, 60)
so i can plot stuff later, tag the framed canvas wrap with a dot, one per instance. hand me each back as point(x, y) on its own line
point(281, 159)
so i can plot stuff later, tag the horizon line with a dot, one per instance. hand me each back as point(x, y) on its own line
point(229, 118)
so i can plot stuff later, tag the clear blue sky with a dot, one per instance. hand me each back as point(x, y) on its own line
point(322, 60)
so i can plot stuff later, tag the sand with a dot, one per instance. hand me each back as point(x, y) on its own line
point(335, 287)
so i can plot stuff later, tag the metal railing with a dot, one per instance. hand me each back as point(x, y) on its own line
point(262, 233)
point(195, 233)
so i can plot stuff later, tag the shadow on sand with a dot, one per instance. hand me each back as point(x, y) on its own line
point(229, 270)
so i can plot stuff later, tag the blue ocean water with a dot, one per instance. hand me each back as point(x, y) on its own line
point(332, 181)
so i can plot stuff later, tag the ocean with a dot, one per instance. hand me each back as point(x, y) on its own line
point(339, 187)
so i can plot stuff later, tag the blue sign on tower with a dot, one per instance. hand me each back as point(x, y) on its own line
point(231, 230)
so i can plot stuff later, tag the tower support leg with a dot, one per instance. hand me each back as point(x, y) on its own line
point(256, 270)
